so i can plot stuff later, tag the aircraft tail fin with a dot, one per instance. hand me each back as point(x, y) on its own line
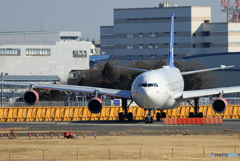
point(171, 44)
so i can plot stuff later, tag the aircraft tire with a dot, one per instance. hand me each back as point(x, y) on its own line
point(191, 114)
point(120, 116)
point(147, 120)
point(163, 115)
point(151, 120)
point(158, 116)
point(130, 116)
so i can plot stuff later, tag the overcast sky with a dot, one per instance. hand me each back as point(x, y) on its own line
point(79, 15)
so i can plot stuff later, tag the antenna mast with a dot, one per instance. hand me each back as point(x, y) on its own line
point(232, 11)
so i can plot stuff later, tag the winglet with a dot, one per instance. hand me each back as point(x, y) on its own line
point(170, 56)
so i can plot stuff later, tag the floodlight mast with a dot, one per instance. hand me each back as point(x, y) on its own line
point(232, 11)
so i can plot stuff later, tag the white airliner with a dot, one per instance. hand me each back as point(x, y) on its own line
point(152, 90)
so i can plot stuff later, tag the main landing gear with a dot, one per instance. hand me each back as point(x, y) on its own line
point(149, 118)
point(196, 108)
point(127, 115)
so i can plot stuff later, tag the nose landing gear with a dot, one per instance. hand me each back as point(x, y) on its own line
point(149, 118)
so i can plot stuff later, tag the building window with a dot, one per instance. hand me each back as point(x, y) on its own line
point(10, 51)
point(152, 34)
point(234, 31)
point(206, 21)
point(194, 45)
point(150, 46)
point(69, 37)
point(206, 45)
point(130, 35)
point(140, 57)
point(130, 46)
point(129, 57)
point(153, 46)
point(141, 46)
point(140, 35)
point(219, 43)
point(38, 52)
point(234, 42)
point(107, 34)
point(106, 45)
point(206, 33)
point(79, 53)
point(152, 57)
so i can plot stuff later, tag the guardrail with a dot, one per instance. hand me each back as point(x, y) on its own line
point(81, 113)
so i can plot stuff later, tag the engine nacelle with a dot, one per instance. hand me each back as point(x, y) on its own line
point(95, 105)
point(31, 97)
point(219, 105)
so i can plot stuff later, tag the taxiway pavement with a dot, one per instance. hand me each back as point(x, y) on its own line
point(116, 126)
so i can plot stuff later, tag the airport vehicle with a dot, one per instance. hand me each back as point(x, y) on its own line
point(152, 90)
point(68, 135)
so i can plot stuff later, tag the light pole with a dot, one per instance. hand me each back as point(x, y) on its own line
point(2, 89)
point(51, 73)
point(13, 96)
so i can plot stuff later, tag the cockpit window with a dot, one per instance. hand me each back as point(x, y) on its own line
point(147, 85)
point(144, 85)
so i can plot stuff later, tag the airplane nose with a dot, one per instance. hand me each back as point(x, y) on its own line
point(144, 98)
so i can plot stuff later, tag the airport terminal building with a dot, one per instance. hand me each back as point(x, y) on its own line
point(43, 54)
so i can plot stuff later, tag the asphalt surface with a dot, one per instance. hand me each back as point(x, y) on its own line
point(116, 126)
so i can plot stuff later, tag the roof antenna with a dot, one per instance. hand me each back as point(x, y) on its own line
point(41, 24)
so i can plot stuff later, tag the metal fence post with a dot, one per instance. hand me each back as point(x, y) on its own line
point(43, 155)
point(172, 152)
point(140, 153)
point(203, 152)
point(10, 156)
point(109, 154)
point(77, 154)
point(235, 149)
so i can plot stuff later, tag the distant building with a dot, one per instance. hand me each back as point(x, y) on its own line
point(45, 53)
point(144, 33)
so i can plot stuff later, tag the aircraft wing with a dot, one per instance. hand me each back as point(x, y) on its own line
point(209, 92)
point(84, 89)
point(141, 70)
point(205, 70)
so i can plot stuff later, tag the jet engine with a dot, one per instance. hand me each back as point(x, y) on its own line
point(95, 105)
point(219, 105)
point(31, 97)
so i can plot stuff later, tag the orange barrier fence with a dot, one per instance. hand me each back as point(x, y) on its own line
point(212, 120)
point(170, 121)
point(81, 113)
point(191, 121)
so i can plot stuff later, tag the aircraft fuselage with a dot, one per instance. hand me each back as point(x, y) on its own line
point(155, 90)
